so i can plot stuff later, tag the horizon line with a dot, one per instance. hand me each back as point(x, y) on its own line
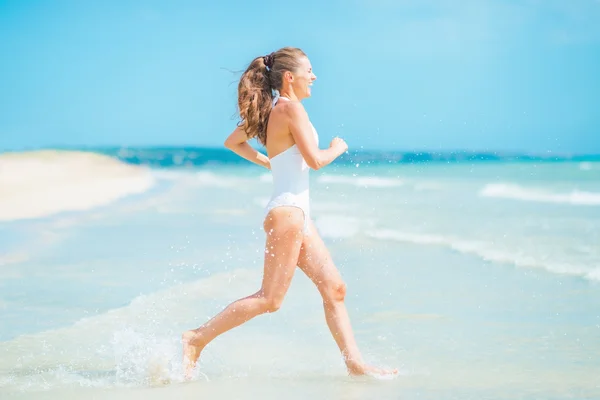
point(538, 153)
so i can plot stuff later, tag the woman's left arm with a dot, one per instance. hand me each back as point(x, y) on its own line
point(237, 142)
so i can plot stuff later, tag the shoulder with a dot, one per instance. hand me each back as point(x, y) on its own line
point(295, 111)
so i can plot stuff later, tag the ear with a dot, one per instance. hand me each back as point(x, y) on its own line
point(288, 76)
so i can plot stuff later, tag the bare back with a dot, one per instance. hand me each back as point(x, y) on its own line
point(279, 136)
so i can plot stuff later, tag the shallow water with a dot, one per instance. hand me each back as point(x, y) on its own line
point(475, 280)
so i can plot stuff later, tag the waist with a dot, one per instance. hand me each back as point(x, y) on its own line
point(297, 199)
point(290, 183)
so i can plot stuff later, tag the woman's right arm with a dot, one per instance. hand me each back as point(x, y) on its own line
point(237, 142)
point(301, 130)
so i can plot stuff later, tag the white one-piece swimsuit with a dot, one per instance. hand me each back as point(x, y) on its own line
point(291, 181)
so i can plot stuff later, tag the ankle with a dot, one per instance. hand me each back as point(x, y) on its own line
point(354, 363)
point(355, 367)
point(195, 338)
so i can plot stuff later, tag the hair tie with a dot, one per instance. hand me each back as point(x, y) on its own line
point(268, 60)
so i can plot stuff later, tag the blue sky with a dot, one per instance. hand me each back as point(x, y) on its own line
point(392, 74)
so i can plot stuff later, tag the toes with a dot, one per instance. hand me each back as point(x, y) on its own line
point(381, 373)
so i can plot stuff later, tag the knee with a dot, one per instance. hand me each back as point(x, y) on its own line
point(271, 304)
point(335, 292)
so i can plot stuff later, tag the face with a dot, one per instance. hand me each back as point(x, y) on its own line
point(302, 79)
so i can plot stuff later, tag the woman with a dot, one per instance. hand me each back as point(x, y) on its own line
point(283, 127)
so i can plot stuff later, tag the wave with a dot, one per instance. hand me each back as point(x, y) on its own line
point(13, 258)
point(362, 181)
point(380, 182)
point(207, 177)
point(516, 192)
point(42, 183)
point(487, 251)
point(337, 226)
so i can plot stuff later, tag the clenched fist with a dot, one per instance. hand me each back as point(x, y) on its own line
point(339, 143)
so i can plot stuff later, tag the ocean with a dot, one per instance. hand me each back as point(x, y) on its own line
point(476, 275)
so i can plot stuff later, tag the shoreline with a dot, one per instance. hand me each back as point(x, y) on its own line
point(42, 184)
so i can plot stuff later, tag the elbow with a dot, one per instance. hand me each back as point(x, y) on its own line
point(228, 143)
point(315, 163)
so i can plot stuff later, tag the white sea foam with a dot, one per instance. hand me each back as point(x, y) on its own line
point(378, 182)
point(427, 186)
point(15, 257)
point(487, 251)
point(337, 226)
point(207, 178)
point(333, 206)
point(516, 192)
point(361, 181)
point(41, 183)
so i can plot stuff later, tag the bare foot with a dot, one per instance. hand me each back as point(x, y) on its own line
point(191, 351)
point(369, 370)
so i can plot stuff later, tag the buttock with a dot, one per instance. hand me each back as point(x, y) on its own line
point(290, 201)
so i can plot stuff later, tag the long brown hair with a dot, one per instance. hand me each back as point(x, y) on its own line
point(255, 89)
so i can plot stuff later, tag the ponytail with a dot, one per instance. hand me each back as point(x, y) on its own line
point(256, 86)
point(255, 100)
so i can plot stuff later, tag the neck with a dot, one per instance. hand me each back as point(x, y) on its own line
point(289, 94)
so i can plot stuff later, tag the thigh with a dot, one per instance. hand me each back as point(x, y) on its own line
point(316, 261)
point(283, 227)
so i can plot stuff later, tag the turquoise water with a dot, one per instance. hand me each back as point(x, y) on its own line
point(475, 279)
